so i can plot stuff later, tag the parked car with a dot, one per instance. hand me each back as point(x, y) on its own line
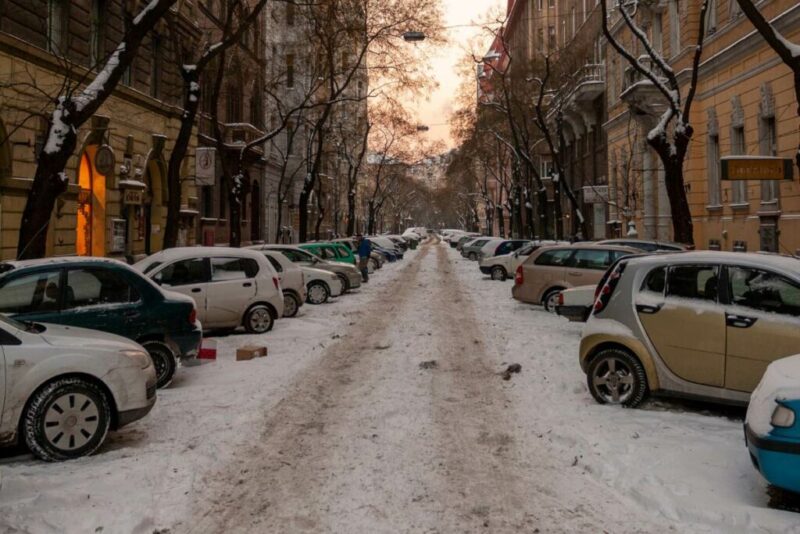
point(504, 247)
point(472, 250)
point(695, 324)
point(376, 259)
point(348, 276)
point(63, 388)
point(504, 266)
point(550, 270)
point(387, 244)
point(645, 245)
point(293, 282)
point(320, 285)
point(108, 295)
point(576, 303)
point(337, 252)
point(232, 287)
point(772, 428)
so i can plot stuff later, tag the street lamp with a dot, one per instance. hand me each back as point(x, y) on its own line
point(414, 37)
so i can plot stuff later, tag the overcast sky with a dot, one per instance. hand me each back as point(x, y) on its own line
point(436, 111)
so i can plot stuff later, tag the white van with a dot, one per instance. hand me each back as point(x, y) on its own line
point(231, 286)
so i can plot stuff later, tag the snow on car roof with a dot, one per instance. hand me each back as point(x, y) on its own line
point(19, 264)
point(752, 259)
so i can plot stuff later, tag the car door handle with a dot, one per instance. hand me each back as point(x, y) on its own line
point(739, 321)
point(648, 309)
point(197, 289)
point(247, 284)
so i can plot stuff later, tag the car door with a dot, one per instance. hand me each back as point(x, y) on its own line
point(685, 321)
point(32, 296)
point(543, 272)
point(763, 324)
point(231, 290)
point(188, 277)
point(586, 267)
point(99, 298)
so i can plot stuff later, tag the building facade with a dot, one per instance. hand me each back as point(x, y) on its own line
point(115, 203)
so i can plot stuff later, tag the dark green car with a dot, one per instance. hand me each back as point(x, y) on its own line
point(106, 295)
point(331, 252)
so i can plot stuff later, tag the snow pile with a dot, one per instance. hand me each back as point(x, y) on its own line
point(781, 381)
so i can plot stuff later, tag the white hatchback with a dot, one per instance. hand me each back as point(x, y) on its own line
point(231, 286)
point(62, 388)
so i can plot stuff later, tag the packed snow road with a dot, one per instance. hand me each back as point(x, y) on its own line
point(386, 412)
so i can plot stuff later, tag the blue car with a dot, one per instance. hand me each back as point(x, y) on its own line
point(391, 255)
point(772, 426)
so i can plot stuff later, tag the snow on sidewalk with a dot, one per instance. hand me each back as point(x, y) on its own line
point(148, 474)
point(675, 463)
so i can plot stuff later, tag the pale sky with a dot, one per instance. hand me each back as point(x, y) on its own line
point(436, 111)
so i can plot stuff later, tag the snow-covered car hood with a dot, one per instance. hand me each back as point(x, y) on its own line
point(493, 260)
point(319, 273)
point(781, 381)
point(74, 337)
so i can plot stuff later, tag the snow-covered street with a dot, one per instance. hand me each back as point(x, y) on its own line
point(385, 411)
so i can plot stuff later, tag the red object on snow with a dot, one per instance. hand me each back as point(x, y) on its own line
point(208, 350)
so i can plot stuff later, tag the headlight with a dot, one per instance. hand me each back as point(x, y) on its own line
point(782, 417)
point(141, 358)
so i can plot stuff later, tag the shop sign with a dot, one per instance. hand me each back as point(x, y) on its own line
point(205, 166)
point(118, 233)
point(105, 161)
point(595, 194)
point(133, 197)
point(756, 168)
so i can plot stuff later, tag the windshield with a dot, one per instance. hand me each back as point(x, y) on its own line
point(5, 321)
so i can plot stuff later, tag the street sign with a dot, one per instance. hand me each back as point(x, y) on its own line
point(756, 168)
point(104, 160)
point(205, 166)
point(133, 197)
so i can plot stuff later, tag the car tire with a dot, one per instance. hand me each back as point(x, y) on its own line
point(259, 319)
point(291, 305)
point(499, 273)
point(71, 412)
point(164, 361)
point(345, 283)
point(549, 299)
point(615, 376)
point(472, 256)
point(318, 293)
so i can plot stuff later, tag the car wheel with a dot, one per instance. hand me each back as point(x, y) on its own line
point(291, 305)
point(318, 293)
point(345, 283)
point(472, 256)
point(616, 377)
point(66, 419)
point(163, 360)
point(550, 300)
point(258, 319)
point(498, 273)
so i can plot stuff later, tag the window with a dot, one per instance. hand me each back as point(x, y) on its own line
point(290, 70)
point(297, 256)
point(656, 281)
point(696, 282)
point(573, 22)
point(658, 40)
point(38, 292)
point(225, 269)
point(734, 9)
point(57, 25)
point(590, 259)
point(554, 258)
point(551, 3)
point(738, 148)
point(97, 31)
point(770, 189)
point(551, 38)
point(233, 103)
point(155, 67)
point(711, 17)
point(256, 108)
point(764, 291)
point(275, 264)
point(183, 273)
point(714, 187)
point(96, 287)
point(674, 28)
point(207, 192)
point(540, 39)
point(290, 13)
point(327, 253)
point(290, 133)
point(539, 4)
point(223, 199)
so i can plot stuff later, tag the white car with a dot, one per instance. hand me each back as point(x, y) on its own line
point(231, 287)
point(504, 266)
point(323, 278)
point(576, 303)
point(293, 282)
point(62, 388)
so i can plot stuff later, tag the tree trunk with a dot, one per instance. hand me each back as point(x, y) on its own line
point(278, 229)
point(235, 215)
point(501, 222)
point(351, 213)
point(191, 103)
point(682, 225)
point(371, 218)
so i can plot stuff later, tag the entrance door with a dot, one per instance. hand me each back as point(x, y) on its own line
point(763, 324)
point(90, 228)
point(686, 324)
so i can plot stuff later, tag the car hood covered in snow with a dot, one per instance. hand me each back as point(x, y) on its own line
point(781, 382)
point(75, 337)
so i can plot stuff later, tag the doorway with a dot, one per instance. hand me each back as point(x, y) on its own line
point(90, 229)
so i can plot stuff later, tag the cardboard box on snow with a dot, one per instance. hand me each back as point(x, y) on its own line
point(248, 352)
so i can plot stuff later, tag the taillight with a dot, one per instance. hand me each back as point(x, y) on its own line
point(604, 291)
point(519, 278)
point(561, 298)
point(192, 316)
point(276, 283)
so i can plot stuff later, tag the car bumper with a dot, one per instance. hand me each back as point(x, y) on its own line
point(576, 314)
point(485, 269)
point(134, 391)
point(336, 287)
point(354, 279)
point(129, 416)
point(187, 344)
point(778, 460)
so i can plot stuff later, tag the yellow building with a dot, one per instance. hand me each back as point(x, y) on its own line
point(115, 204)
point(745, 105)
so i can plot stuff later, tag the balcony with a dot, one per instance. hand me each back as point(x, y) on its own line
point(590, 82)
point(238, 134)
point(639, 92)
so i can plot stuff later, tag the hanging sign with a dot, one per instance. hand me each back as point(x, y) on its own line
point(205, 166)
point(105, 161)
point(756, 168)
